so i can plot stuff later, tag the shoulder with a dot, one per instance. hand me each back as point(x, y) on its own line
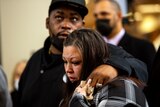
point(117, 51)
point(137, 40)
point(120, 84)
point(121, 92)
point(37, 55)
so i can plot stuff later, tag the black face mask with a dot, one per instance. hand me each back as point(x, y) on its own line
point(103, 26)
point(57, 43)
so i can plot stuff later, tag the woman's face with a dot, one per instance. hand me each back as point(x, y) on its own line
point(72, 62)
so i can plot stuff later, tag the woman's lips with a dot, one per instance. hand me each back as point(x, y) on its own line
point(72, 78)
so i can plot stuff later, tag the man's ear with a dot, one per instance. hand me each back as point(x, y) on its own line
point(47, 22)
point(120, 15)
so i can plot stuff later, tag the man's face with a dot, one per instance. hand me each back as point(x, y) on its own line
point(63, 21)
point(105, 10)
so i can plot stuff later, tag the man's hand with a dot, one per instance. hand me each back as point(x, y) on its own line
point(102, 74)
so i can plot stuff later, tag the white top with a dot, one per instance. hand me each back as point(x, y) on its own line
point(115, 40)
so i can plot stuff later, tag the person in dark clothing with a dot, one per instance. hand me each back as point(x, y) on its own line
point(153, 88)
point(109, 17)
point(41, 84)
point(5, 98)
point(84, 50)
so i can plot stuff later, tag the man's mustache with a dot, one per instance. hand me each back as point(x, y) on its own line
point(64, 32)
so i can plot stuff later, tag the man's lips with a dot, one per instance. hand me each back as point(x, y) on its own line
point(63, 35)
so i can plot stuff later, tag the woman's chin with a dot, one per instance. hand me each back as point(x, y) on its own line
point(72, 80)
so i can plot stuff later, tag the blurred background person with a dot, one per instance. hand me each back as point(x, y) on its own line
point(5, 98)
point(18, 70)
point(109, 17)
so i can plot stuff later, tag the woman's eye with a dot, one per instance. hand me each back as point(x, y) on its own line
point(76, 62)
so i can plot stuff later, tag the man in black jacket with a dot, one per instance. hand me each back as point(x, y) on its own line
point(109, 17)
point(41, 84)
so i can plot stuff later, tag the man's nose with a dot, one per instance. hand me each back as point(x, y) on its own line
point(66, 24)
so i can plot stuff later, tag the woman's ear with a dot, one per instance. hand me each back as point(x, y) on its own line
point(47, 22)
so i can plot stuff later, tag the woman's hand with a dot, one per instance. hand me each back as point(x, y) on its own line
point(85, 89)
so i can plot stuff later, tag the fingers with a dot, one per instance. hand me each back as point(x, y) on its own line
point(90, 89)
point(89, 81)
point(99, 79)
point(100, 82)
point(98, 85)
point(94, 81)
point(81, 90)
point(96, 78)
point(82, 83)
point(102, 74)
point(105, 80)
point(85, 89)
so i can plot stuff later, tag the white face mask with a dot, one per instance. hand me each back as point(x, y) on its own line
point(16, 84)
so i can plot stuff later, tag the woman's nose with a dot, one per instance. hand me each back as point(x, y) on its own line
point(68, 68)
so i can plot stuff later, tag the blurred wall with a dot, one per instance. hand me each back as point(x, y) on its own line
point(0, 37)
point(22, 30)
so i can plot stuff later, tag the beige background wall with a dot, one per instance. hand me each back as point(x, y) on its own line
point(22, 31)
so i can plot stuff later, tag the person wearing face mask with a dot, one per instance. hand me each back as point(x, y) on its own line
point(108, 17)
point(18, 70)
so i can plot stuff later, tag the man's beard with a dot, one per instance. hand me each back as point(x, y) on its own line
point(57, 42)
